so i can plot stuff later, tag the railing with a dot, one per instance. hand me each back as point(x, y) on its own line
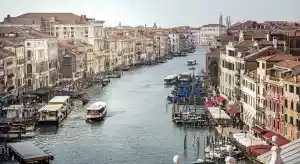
point(11, 75)
point(28, 75)
point(21, 61)
point(273, 78)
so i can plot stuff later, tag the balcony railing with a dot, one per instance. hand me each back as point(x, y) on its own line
point(29, 75)
point(11, 75)
point(273, 78)
point(21, 61)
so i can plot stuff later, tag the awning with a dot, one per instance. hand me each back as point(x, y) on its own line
point(280, 139)
point(258, 129)
point(257, 150)
point(232, 111)
point(220, 99)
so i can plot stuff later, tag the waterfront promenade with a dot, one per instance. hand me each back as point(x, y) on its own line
point(138, 128)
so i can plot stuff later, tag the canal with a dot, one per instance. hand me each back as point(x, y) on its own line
point(138, 129)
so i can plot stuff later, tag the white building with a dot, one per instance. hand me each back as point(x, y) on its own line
point(209, 31)
point(195, 36)
point(249, 94)
point(174, 43)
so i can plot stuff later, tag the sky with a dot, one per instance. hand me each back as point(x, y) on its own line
point(166, 13)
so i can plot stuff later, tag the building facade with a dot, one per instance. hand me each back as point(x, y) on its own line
point(174, 43)
point(208, 32)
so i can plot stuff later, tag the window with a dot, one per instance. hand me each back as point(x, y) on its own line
point(291, 120)
point(292, 105)
point(28, 54)
point(285, 103)
point(291, 89)
point(28, 44)
point(263, 66)
point(298, 90)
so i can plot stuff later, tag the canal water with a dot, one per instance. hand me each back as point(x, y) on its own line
point(138, 129)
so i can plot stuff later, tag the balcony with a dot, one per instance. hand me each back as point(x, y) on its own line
point(274, 78)
point(10, 75)
point(237, 82)
point(28, 75)
point(21, 61)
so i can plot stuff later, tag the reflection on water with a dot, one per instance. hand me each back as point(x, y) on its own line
point(47, 130)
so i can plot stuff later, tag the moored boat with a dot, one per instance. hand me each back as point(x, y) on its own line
point(105, 82)
point(191, 62)
point(126, 68)
point(171, 79)
point(97, 111)
point(56, 111)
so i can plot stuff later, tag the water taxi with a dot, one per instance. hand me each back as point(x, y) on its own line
point(191, 62)
point(97, 111)
point(25, 153)
point(185, 77)
point(171, 79)
point(55, 111)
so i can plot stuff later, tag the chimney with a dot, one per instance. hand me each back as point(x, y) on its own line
point(268, 37)
point(274, 42)
point(276, 150)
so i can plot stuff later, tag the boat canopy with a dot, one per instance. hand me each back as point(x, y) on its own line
point(191, 61)
point(97, 105)
point(28, 151)
point(170, 77)
point(59, 100)
point(51, 108)
point(185, 74)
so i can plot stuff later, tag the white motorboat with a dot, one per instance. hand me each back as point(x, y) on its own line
point(96, 111)
point(202, 161)
point(191, 62)
point(171, 79)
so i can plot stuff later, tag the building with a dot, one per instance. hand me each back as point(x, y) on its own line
point(41, 54)
point(291, 107)
point(65, 26)
point(249, 96)
point(209, 31)
point(212, 70)
point(275, 113)
point(195, 32)
point(8, 65)
point(76, 60)
point(174, 43)
point(183, 43)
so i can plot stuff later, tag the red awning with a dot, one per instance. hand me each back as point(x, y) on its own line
point(258, 129)
point(257, 150)
point(220, 99)
point(280, 139)
point(232, 111)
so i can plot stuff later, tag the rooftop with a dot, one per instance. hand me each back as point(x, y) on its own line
point(278, 57)
point(288, 64)
point(289, 153)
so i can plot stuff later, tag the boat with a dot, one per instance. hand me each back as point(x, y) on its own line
point(191, 62)
point(55, 111)
point(25, 152)
point(202, 161)
point(171, 79)
point(126, 68)
point(115, 75)
point(105, 82)
point(185, 77)
point(97, 111)
point(85, 98)
point(162, 60)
